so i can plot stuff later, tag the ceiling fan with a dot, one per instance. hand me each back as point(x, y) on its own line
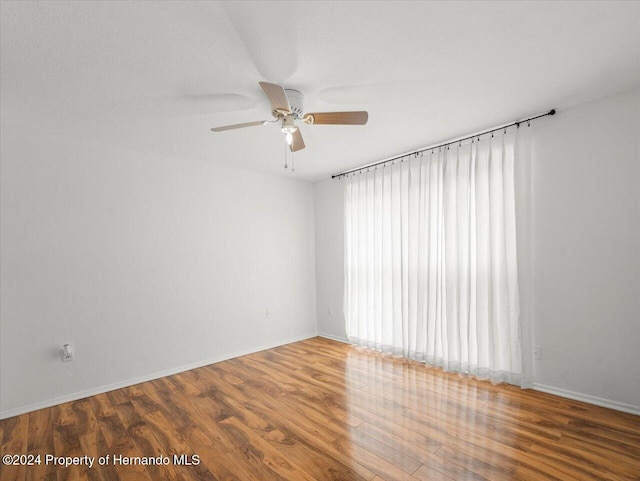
point(286, 105)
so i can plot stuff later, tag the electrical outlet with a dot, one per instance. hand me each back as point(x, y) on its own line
point(67, 353)
point(330, 311)
point(268, 313)
point(537, 352)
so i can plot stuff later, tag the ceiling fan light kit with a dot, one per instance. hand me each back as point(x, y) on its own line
point(288, 125)
point(287, 108)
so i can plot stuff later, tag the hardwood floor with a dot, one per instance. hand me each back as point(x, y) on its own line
point(322, 410)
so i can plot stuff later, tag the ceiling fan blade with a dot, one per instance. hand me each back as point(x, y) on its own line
point(237, 126)
point(297, 143)
point(337, 118)
point(277, 97)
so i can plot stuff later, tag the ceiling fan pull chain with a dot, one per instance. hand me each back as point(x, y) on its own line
point(285, 156)
point(293, 164)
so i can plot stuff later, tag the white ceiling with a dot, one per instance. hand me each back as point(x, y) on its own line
point(155, 76)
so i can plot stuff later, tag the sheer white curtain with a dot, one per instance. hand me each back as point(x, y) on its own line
point(431, 268)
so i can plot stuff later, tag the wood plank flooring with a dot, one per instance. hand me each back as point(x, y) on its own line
point(322, 410)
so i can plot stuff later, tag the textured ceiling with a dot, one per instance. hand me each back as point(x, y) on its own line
point(155, 76)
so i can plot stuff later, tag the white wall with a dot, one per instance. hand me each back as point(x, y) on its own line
point(586, 252)
point(586, 249)
point(146, 264)
point(329, 216)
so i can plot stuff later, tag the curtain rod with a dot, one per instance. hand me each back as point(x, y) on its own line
point(444, 144)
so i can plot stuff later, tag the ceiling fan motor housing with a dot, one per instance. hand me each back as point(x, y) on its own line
point(296, 101)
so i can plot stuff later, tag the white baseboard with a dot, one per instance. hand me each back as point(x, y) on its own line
point(587, 398)
point(334, 338)
point(149, 377)
point(598, 401)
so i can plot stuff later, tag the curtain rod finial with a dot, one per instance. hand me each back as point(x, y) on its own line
point(552, 112)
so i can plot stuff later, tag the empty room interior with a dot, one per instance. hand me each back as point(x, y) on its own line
point(281, 240)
